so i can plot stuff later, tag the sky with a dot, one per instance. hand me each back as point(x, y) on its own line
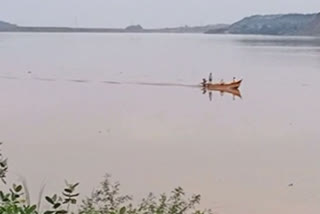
point(148, 13)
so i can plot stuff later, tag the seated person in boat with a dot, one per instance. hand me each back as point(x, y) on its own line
point(204, 82)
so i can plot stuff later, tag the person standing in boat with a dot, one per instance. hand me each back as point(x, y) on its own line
point(210, 78)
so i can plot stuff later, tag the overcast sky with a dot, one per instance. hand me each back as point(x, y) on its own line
point(148, 13)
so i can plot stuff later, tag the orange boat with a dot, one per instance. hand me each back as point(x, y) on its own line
point(230, 87)
point(222, 86)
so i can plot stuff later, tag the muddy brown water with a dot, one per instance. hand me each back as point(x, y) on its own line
point(77, 106)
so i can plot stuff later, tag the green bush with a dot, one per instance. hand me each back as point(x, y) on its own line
point(106, 199)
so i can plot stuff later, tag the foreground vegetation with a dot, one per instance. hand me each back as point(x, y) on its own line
point(106, 199)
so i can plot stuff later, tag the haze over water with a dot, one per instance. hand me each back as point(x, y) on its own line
point(77, 106)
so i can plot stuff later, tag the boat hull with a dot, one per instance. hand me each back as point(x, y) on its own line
point(223, 86)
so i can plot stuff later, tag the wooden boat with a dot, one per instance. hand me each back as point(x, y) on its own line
point(222, 86)
point(230, 87)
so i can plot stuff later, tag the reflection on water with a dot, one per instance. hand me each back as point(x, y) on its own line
point(234, 92)
point(312, 42)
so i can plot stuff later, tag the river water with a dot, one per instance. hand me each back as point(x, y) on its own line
point(77, 106)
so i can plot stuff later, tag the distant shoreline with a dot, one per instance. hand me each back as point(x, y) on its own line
point(276, 25)
point(130, 29)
